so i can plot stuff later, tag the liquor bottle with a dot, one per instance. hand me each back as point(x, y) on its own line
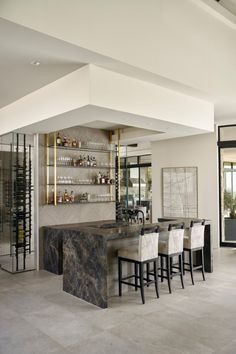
point(65, 141)
point(94, 162)
point(72, 197)
point(74, 143)
point(102, 179)
point(91, 161)
point(99, 178)
point(80, 163)
point(59, 141)
point(59, 198)
point(69, 141)
point(107, 179)
point(88, 161)
point(84, 161)
point(66, 196)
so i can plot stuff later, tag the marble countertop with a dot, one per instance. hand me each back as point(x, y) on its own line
point(111, 229)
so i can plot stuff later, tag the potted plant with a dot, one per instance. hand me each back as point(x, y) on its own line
point(230, 222)
point(230, 204)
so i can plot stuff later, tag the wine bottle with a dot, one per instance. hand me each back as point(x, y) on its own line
point(59, 141)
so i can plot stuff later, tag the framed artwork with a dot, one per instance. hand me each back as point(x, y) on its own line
point(180, 192)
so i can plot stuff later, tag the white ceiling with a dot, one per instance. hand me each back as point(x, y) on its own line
point(20, 45)
point(230, 5)
point(146, 129)
point(18, 49)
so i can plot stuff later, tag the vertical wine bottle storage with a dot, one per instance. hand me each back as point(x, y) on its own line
point(22, 203)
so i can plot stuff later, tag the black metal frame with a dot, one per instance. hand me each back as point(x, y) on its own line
point(22, 214)
point(139, 165)
point(223, 145)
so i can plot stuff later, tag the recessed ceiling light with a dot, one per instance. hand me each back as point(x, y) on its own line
point(35, 63)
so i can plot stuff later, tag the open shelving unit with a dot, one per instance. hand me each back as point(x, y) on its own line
point(54, 168)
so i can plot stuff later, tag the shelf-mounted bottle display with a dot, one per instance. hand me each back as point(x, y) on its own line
point(74, 166)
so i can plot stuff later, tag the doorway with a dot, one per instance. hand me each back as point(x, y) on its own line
point(136, 183)
point(227, 185)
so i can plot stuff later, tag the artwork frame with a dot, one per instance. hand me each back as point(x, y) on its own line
point(180, 192)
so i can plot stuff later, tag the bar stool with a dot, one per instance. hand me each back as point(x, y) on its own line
point(193, 242)
point(171, 245)
point(145, 252)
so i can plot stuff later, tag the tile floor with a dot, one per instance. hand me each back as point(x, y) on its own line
point(36, 316)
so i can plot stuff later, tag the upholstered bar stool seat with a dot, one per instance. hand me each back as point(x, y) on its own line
point(171, 245)
point(145, 252)
point(194, 241)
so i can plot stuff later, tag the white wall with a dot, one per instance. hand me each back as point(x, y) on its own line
point(199, 151)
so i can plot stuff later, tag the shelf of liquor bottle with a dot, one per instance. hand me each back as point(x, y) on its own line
point(105, 167)
point(84, 202)
point(82, 148)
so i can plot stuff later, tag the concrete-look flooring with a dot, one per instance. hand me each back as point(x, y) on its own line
point(36, 316)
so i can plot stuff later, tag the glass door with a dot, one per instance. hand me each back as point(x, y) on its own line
point(228, 194)
point(136, 183)
point(227, 184)
point(146, 190)
point(6, 260)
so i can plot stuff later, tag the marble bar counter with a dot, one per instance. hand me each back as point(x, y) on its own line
point(86, 254)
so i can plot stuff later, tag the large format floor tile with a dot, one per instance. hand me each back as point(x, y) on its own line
point(36, 316)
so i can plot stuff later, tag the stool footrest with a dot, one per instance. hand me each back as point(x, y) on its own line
point(137, 286)
point(194, 268)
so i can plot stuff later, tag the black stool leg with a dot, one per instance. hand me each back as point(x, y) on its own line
point(191, 264)
point(148, 271)
point(168, 272)
point(120, 276)
point(183, 263)
point(136, 276)
point(171, 265)
point(156, 278)
point(203, 265)
point(141, 281)
point(181, 270)
point(161, 269)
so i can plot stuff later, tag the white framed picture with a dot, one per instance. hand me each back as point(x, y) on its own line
point(180, 192)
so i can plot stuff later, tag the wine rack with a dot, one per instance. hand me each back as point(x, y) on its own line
point(22, 202)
